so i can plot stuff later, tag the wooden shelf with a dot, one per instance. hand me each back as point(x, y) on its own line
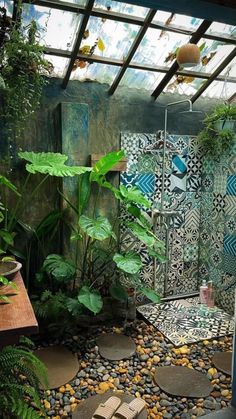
point(16, 318)
point(121, 166)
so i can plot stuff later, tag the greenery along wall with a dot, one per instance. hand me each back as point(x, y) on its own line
point(217, 255)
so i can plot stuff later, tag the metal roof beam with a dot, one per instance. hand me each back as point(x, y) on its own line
point(213, 76)
point(78, 41)
point(133, 49)
point(118, 63)
point(194, 39)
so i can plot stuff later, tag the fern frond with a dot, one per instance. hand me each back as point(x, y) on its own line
point(23, 411)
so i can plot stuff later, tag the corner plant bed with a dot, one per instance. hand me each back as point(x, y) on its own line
point(70, 286)
point(218, 136)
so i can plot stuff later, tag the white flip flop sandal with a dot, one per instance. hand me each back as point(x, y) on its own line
point(131, 410)
point(107, 409)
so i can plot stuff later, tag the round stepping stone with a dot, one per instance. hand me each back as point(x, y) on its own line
point(87, 408)
point(62, 365)
point(114, 346)
point(223, 361)
point(182, 381)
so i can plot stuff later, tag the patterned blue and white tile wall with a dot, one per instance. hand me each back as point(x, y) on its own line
point(217, 256)
point(182, 194)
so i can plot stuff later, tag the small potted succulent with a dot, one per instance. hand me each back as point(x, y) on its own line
point(217, 136)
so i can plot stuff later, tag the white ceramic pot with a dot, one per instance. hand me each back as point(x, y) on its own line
point(221, 124)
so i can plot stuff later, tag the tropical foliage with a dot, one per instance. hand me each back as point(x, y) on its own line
point(95, 264)
point(20, 375)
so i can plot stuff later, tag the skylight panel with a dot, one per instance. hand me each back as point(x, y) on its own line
point(8, 4)
point(183, 21)
point(108, 37)
point(222, 28)
point(57, 28)
point(158, 48)
point(102, 73)
point(120, 7)
point(59, 65)
point(141, 79)
point(212, 54)
point(220, 90)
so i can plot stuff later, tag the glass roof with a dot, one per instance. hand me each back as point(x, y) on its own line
point(116, 37)
point(110, 40)
point(51, 33)
point(124, 8)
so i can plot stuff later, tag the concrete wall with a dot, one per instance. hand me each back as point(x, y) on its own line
point(127, 110)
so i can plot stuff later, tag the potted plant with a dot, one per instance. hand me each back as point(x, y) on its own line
point(218, 136)
point(223, 117)
point(96, 268)
point(8, 266)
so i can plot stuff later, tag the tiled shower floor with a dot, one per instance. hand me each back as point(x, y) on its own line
point(187, 321)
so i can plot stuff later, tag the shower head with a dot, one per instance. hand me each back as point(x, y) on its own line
point(190, 111)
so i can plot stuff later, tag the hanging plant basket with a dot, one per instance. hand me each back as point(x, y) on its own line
point(223, 124)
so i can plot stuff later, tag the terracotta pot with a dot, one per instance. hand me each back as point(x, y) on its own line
point(188, 55)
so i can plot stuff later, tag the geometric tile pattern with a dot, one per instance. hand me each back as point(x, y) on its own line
point(230, 205)
point(187, 321)
point(182, 194)
point(230, 244)
point(217, 246)
point(146, 182)
point(231, 185)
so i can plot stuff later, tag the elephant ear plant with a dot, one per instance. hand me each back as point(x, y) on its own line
point(96, 265)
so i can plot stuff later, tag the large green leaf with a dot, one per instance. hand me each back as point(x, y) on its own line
point(91, 299)
point(48, 223)
point(105, 164)
point(141, 233)
point(6, 236)
point(84, 189)
point(151, 294)
point(130, 262)
point(118, 292)
point(6, 182)
point(52, 164)
point(97, 228)
point(74, 306)
point(60, 269)
point(134, 195)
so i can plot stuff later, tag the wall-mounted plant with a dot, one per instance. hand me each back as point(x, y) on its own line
point(218, 135)
point(22, 74)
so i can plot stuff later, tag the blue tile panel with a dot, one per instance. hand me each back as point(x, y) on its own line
point(230, 244)
point(146, 183)
point(231, 185)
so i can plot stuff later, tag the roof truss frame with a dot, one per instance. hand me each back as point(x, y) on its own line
point(145, 24)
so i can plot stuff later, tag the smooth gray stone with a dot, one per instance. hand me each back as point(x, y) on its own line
point(115, 347)
point(223, 361)
point(182, 381)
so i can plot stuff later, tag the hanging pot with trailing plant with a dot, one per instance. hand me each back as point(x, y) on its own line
point(218, 135)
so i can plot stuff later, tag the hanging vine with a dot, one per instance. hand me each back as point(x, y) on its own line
point(22, 74)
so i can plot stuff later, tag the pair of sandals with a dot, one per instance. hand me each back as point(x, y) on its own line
point(113, 409)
